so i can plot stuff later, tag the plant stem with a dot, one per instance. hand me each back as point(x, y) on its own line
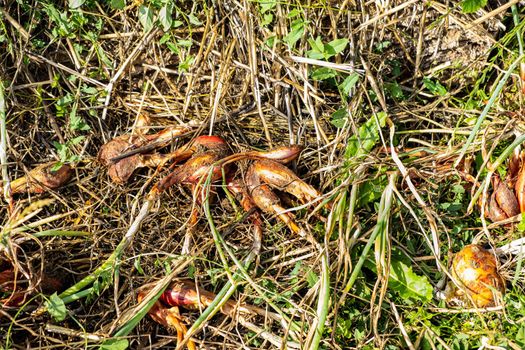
point(323, 302)
point(115, 256)
point(516, 17)
point(77, 291)
point(383, 217)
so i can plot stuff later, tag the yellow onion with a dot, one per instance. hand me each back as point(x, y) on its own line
point(475, 268)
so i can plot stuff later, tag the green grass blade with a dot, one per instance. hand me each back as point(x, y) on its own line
point(139, 315)
point(519, 37)
point(322, 302)
point(62, 233)
point(109, 263)
point(383, 217)
point(487, 108)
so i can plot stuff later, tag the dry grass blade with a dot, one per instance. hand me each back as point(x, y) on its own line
point(3, 145)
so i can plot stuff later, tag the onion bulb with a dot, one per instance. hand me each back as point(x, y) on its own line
point(475, 268)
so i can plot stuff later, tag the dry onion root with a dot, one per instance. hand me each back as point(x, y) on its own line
point(476, 270)
point(43, 178)
point(14, 291)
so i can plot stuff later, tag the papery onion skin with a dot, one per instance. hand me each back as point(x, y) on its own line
point(476, 269)
point(45, 177)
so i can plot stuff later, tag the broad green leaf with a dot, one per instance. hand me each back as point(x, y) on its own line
point(63, 26)
point(339, 118)
point(114, 344)
point(407, 283)
point(317, 51)
point(336, 46)
point(469, 6)
point(64, 151)
point(266, 5)
point(194, 20)
point(56, 307)
point(403, 280)
point(311, 278)
point(521, 225)
point(381, 46)
point(76, 140)
point(371, 190)
point(296, 269)
point(270, 41)
point(165, 38)
point(76, 122)
point(434, 87)
point(56, 167)
point(145, 18)
point(323, 73)
point(296, 32)
point(185, 65)
point(74, 4)
point(267, 19)
point(184, 43)
point(316, 45)
point(294, 13)
point(118, 4)
point(173, 47)
point(88, 90)
point(165, 16)
point(395, 90)
point(61, 149)
point(177, 24)
point(62, 104)
point(520, 336)
point(368, 135)
point(349, 82)
point(315, 55)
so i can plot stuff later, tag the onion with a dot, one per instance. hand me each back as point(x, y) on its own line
point(475, 268)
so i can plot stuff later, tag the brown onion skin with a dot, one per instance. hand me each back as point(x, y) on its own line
point(477, 271)
point(42, 179)
point(207, 151)
point(519, 188)
point(506, 199)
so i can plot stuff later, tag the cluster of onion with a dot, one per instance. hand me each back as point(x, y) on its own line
point(474, 268)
